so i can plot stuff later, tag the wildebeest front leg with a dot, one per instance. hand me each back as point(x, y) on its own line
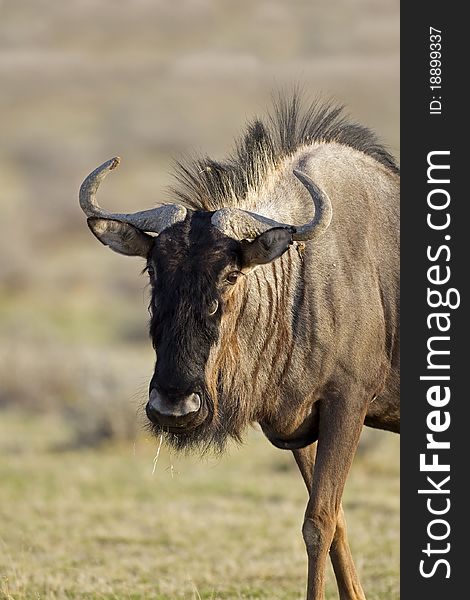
point(347, 579)
point(341, 421)
point(349, 586)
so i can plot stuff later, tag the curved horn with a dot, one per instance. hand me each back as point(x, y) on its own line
point(154, 220)
point(242, 224)
point(323, 211)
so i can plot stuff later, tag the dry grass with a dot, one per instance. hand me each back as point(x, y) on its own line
point(100, 525)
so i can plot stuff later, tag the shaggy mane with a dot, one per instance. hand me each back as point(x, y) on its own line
point(206, 184)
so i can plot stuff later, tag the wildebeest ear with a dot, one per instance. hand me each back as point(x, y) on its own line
point(121, 237)
point(266, 247)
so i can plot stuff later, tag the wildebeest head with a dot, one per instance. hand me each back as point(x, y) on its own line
point(195, 263)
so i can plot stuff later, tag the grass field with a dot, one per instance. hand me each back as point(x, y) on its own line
point(100, 524)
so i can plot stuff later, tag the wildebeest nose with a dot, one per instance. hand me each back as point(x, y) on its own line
point(171, 413)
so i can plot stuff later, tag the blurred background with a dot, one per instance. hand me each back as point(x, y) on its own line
point(84, 511)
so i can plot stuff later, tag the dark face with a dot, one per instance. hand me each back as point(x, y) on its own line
point(195, 272)
point(193, 268)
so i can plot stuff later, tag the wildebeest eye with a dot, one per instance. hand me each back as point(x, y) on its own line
point(151, 272)
point(213, 306)
point(232, 277)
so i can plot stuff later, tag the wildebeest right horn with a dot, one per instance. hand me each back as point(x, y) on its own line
point(242, 224)
point(153, 220)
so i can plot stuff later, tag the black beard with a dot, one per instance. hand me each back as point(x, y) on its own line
point(210, 437)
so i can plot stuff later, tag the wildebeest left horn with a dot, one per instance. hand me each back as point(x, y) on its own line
point(153, 220)
point(242, 224)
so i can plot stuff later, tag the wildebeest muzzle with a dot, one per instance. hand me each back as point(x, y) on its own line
point(175, 414)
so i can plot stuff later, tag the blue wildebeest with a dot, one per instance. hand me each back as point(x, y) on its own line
point(275, 300)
